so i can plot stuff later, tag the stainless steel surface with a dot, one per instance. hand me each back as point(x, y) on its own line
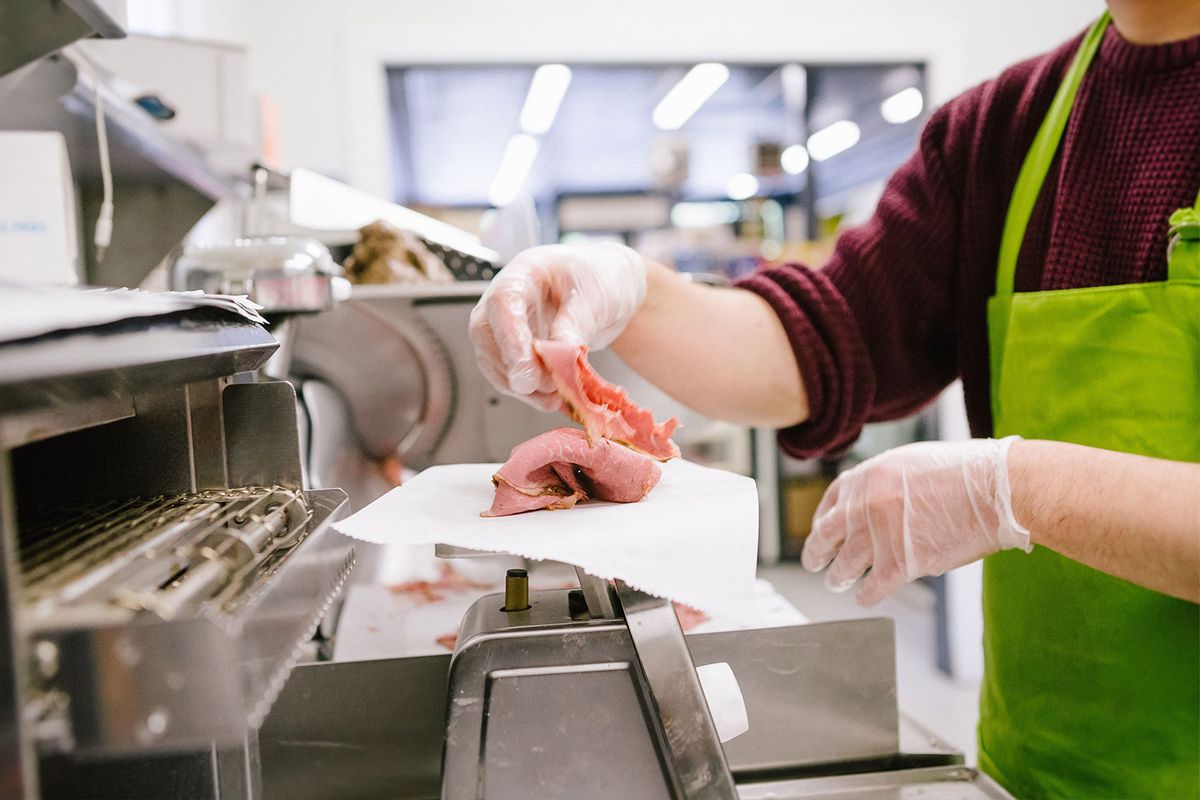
point(262, 440)
point(56, 371)
point(147, 454)
point(916, 738)
point(18, 766)
point(161, 186)
point(333, 454)
point(163, 568)
point(359, 729)
point(37, 424)
point(817, 694)
point(284, 274)
point(279, 365)
point(929, 783)
point(820, 698)
point(697, 759)
point(540, 706)
point(392, 371)
point(30, 29)
point(206, 429)
point(141, 149)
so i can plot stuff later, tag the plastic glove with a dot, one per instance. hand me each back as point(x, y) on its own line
point(582, 295)
point(921, 509)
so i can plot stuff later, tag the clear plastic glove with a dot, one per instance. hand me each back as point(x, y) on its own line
point(921, 509)
point(582, 295)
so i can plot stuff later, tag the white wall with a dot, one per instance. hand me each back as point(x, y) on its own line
point(323, 62)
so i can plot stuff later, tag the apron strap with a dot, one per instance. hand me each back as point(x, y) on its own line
point(1041, 156)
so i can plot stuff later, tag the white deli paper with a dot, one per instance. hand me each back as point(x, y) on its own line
point(694, 538)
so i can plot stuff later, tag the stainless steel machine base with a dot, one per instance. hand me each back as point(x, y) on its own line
point(551, 702)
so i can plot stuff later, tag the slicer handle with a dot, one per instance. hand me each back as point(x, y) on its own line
point(596, 593)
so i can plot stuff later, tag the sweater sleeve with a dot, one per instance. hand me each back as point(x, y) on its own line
point(873, 330)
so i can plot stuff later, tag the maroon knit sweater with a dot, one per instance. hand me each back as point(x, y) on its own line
point(899, 311)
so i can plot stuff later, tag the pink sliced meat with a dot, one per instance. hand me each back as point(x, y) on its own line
point(603, 409)
point(561, 467)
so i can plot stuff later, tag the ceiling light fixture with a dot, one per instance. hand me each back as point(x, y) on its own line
point(686, 97)
point(741, 186)
point(903, 106)
point(837, 138)
point(794, 159)
point(546, 91)
point(518, 159)
point(704, 215)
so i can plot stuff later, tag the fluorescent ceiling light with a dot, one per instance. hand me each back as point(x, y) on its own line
point(741, 186)
point(837, 138)
point(794, 79)
point(794, 159)
point(703, 215)
point(686, 97)
point(546, 90)
point(903, 106)
point(519, 156)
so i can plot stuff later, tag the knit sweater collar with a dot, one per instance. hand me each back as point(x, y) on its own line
point(1121, 55)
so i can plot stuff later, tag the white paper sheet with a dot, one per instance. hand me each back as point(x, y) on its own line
point(693, 539)
point(27, 311)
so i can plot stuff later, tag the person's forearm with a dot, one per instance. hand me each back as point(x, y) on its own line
point(1133, 517)
point(722, 352)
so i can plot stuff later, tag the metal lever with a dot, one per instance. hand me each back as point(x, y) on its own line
point(692, 746)
point(596, 593)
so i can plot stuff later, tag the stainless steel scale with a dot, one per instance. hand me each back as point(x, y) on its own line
point(593, 692)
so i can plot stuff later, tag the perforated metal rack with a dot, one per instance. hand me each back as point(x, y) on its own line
point(166, 555)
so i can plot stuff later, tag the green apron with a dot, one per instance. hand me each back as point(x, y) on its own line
point(1092, 684)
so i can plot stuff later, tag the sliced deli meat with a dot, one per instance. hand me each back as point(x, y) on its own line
point(603, 409)
point(561, 467)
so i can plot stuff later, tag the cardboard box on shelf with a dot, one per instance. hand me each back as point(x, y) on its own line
point(801, 495)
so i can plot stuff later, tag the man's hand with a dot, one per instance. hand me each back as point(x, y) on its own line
point(921, 509)
point(581, 295)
